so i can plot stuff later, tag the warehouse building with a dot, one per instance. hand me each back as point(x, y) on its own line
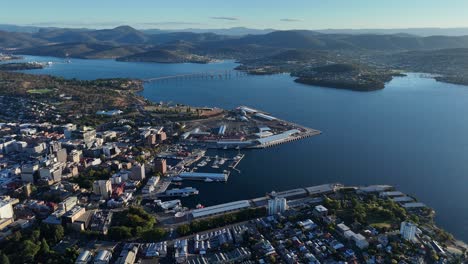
point(220, 209)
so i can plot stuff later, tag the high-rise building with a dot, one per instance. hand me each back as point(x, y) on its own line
point(160, 166)
point(74, 156)
point(138, 172)
point(61, 155)
point(52, 172)
point(277, 205)
point(151, 139)
point(102, 188)
point(408, 230)
point(161, 136)
point(68, 203)
point(28, 171)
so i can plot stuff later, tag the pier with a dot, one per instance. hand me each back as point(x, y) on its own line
point(309, 133)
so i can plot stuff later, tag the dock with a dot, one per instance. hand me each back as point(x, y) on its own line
point(284, 138)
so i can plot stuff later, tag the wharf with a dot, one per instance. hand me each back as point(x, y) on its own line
point(308, 133)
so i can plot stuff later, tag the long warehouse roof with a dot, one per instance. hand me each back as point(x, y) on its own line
point(220, 208)
point(278, 137)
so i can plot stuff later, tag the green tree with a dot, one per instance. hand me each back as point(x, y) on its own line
point(154, 234)
point(29, 251)
point(4, 259)
point(58, 233)
point(44, 251)
point(71, 254)
point(183, 230)
point(35, 235)
point(120, 233)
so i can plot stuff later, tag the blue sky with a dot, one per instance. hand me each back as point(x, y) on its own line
point(285, 14)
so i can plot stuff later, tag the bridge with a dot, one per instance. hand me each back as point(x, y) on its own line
point(209, 75)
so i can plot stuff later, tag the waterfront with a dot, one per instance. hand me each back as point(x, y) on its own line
point(411, 135)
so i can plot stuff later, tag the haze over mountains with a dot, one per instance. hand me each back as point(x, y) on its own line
point(125, 40)
point(240, 31)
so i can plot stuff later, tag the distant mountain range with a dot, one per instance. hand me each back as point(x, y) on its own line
point(294, 51)
point(125, 41)
point(276, 51)
point(241, 31)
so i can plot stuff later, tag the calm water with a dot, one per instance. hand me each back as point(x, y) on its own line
point(413, 134)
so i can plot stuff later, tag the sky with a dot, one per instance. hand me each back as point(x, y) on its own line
point(284, 14)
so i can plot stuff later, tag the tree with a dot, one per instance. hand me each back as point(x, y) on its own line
point(35, 235)
point(120, 232)
point(44, 252)
point(4, 259)
point(71, 254)
point(58, 233)
point(29, 251)
point(183, 230)
point(154, 234)
point(52, 233)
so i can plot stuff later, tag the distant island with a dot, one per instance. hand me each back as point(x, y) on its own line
point(165, 56)
point(346, 76)
point(5, 57)
point(21, 66)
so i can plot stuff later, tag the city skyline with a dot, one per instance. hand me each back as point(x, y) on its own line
point(296, 14)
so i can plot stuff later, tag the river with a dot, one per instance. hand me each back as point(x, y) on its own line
point(413, 134)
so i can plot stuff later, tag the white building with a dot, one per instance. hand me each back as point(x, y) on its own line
point(102, 188)
point(119, 177)
point(408, 230)
point(84, 257)
point(68, 203)
point(110, 150)
point(6, 209)
point(361, 241)
point(103, 257)
point(220, 209)
point(277, 205)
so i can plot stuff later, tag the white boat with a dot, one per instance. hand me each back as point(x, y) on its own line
point(208, 180)
point(177, 179)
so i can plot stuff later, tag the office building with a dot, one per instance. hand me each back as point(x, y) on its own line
point(138, 172)
point(28, 171)
point(160, 166)
point(277, 205)
point(102, 188)
point(408, 230)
